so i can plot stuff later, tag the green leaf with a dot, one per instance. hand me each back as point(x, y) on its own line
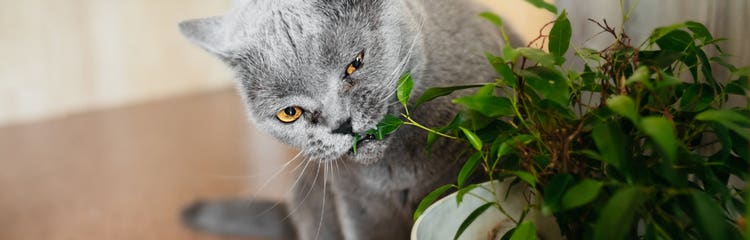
point(544, 5)
point(659, 33)
point(468, 169)
point(510, 53)
point(616, 218)
point(490, 106)
point(486, 90)
point(660, 130)
point(472, 138)
point(432, 93)
point(429, 199)
point(502, 68)
point(731, 119)
point(492, 17)
point(709, 217)
point(549, 83)
point(405, 84)
point(537, 55)
point(699, 31)
point(609, 139)
point(524, 231)
point(625, 106)
point(581, 194)
point(462, 192)
point(354, 144)
point(470, 219)
point(526, 177)
point(559, 36)
point(554, 191)
point(641, 75)
point(696, 98)
point(388, 125)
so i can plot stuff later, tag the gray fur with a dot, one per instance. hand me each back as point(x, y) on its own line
point(294, 53)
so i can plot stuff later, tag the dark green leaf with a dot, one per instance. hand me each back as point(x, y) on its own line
point(472, 138)
point(549, 83)
point(625, 106)
point(616, 218)
point(502, 68)
point(559, 36)
point(468, 169)
point(429, 199)
point(432, 93)
point(696, 98)
point(490, 106)
point(537, 55)
point(581, 194)
point(470, 219)
point(609, 139)
point(524, 231)
point(709, 217)
point(388, 125)
point(405, 84)
point(544, 5)
point(699, 31)
point(661, 131)
point(553, 192)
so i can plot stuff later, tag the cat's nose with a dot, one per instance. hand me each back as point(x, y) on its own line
point(345, 128)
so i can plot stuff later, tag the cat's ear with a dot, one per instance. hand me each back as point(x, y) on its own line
point(208, 33)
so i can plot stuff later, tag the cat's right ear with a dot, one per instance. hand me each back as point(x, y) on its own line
point(208, 33)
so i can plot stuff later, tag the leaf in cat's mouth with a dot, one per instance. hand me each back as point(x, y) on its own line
point(385, 127)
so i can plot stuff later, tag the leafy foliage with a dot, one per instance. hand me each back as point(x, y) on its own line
point(639, 143)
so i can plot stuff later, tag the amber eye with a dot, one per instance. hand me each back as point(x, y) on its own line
point(356, 64)
point(289, 114)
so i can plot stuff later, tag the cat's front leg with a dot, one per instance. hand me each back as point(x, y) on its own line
point(369, 215)
point(312, 207)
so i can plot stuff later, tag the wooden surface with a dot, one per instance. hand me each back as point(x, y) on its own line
point(126, 173)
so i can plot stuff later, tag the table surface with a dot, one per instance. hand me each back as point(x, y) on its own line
point(126, 173)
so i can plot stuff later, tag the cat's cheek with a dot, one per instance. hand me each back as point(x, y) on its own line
point(369, 152)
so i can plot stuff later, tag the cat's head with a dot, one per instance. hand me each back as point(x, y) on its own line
point(314, 73)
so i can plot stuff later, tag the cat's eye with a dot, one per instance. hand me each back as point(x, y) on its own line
point(356, 64)
point(289, 114)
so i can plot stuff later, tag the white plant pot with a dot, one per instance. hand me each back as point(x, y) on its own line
point(443, 218)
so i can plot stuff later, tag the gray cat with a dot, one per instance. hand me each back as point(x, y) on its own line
point(314, 73)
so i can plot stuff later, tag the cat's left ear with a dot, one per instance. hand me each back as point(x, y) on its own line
point(208, 33)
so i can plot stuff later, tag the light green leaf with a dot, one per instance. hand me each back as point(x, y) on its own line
point(490, 106)
point(731, 119)
point(559, 36)
point(537, 55)
point(661, 131)
point(581, 194)
point(470, 219)
point(472, 138)
point(462, 192)
point(405, 84)
point(625, 106)
point(429, 199)
point(642, 76)
point(526, 177)
point(492, 17)
point(388, 125)
point(544, 5)
point(524, 231)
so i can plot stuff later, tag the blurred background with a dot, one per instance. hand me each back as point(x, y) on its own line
point(111, 122)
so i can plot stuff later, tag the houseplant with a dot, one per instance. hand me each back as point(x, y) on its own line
point(637, 143)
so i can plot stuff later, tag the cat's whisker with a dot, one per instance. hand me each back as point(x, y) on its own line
point(393, 79)
point(276, 174)
point(258, 175)
point(323, 206)
point(307, 194)
point(305, 162)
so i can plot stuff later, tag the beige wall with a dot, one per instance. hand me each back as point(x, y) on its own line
point(59, 57)
point(65, 56)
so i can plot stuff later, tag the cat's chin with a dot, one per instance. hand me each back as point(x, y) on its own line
point(368, 152)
